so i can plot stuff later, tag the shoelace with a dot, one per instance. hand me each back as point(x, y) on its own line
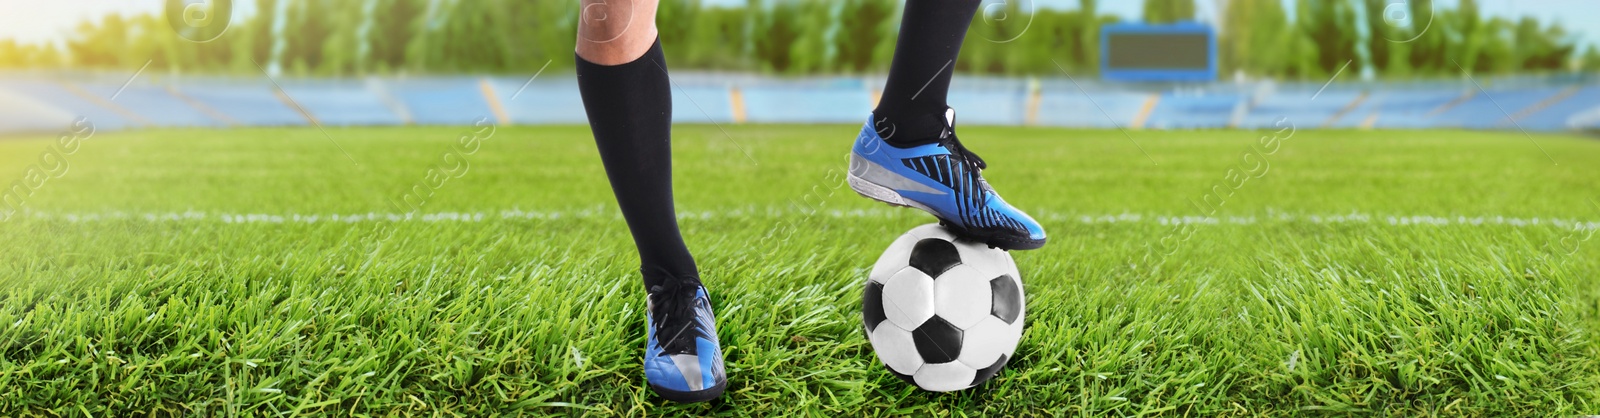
point(672, 306)
point(949, 141)
point(947, 137)
point(974, 163)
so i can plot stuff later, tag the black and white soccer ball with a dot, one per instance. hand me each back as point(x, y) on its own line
point(943, 313)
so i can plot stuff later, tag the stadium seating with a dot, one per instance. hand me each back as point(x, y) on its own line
point(1190, 110)
point(41, 102)
point(1304, 107)
point(1405, 108)
point(442, 101)
point(552, 100)
point(60, 97)
point(1064, 104)
point(341, 103)
point(238, 102)
point(990, 101)
point(1491, 110)
point(23, 114)
point(1565, 113)
point(151, 103)
point(824, 100)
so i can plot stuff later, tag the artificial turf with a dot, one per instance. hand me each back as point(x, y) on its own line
point(276, 272)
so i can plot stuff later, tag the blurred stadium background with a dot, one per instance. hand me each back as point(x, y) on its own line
point(1432, 266)
point(46, 103)
point(1370, 64)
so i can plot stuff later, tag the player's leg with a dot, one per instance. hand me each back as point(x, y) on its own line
point(913, 99)
point(908, 154)
point(623, 80)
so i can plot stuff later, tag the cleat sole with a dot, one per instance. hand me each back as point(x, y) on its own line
point(887, 195)
point(691, 397)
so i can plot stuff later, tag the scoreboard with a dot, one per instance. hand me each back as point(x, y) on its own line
point(1180, 52)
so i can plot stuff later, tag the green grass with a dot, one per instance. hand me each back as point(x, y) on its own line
point(1266, 312)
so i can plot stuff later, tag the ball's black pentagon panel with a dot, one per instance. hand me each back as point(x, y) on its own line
point(872, 306)
point(937, 341)
point(1007, 298)
point(986, 373)
point(933, 256)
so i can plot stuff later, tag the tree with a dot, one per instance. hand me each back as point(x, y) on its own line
point(1464, 24)
point(675, 25)
point(1168, 11)
point(1255, 38)
point(1591, 60)
point(1089, 22)
point(774, 33)
point(1331, 27)
point(865, 28)
point(1392, 28)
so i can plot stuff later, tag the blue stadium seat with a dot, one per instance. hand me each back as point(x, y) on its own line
point(1489, 110)
point(1305, 108)
point(248, 103)
point(1194, 110)
point(1559, 114)
point(1405, 109)
point(702, 104)
point(1063, 104)
point(59, 97)
point(837, 100)
point(22, 114)
point(341, 102)
point(154, 104)
point(445, 101)
point(989, 100)
point(549, 99)
point(710, 98)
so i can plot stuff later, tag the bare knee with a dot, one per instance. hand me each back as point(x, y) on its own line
point(612, 32)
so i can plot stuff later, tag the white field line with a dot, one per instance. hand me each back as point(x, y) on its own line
point(608, 213)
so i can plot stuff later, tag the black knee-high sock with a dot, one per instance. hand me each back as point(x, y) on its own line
point(913, 101)
point(630, 112)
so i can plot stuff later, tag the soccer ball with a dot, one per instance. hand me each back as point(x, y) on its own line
point(943, 313)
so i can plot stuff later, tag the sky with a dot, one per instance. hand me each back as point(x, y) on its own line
point(34, 21)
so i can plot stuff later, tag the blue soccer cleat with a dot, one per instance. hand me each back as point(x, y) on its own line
point(943, 178)
point(682, 359)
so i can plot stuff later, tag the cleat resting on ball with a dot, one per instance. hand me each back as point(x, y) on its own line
point(943, 178)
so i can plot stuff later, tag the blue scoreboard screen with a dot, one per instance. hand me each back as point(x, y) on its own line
point(1158, 53)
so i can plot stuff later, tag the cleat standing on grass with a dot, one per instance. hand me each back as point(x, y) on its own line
point(682, 358)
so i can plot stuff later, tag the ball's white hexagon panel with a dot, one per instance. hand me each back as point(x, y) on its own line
point(932, 231)
point(1015, 274)
point(1016, 331)
point(896, 257)
point(896, 349)
point(961, 296)
point(908, 298)
point(945, 377)
point(985, 342)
